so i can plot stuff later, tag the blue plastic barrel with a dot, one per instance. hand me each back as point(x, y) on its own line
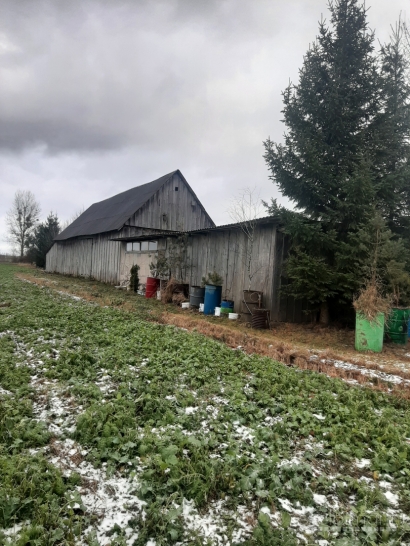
point(213, 296)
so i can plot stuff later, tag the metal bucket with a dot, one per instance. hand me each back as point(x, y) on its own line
point(151, 287)
point(196, 295)
point(212, 298)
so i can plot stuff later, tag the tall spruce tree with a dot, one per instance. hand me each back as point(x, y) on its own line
point(325, 166)
point(392, 138)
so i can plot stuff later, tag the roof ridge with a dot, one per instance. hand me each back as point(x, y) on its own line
point(98, 217)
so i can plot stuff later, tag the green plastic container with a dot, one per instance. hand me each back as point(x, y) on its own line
point(226, 307)
point(397, 325)
point(369, 335)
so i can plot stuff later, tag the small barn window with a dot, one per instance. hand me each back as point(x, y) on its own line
point(142, 246)
point(133, 247)
point(176, 188)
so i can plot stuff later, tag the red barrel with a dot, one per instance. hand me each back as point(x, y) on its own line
point(151, 287)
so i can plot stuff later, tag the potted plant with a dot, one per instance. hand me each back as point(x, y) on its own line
point(158, 270)
point(213, 291)
point(371, 310)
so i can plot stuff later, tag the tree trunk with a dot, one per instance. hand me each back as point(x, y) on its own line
point(324, 314)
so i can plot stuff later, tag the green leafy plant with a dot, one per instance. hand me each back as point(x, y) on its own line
point(134, 277)
point(160, 268)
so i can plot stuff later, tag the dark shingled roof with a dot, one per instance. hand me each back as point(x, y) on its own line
point(111, 214)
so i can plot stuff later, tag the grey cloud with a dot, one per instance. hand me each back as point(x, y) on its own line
point(97, 96)
point(100, 75)
point(57, 135)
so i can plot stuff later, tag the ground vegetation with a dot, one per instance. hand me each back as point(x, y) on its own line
point(132, 432)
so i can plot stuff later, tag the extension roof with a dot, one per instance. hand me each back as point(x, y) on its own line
point(162, 233)
point(111, 214)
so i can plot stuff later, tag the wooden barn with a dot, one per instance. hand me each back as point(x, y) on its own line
point(94, 245)
point(164, 218)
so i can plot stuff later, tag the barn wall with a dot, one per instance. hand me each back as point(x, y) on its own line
point(142, 258)
point(96, 257)
point(172, 210)
point(225, 252)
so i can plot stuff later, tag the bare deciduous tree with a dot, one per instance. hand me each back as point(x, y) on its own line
point(68, 222)
point(245, 209)
point(22, 218)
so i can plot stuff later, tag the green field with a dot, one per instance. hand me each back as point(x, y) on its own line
point(116, 430)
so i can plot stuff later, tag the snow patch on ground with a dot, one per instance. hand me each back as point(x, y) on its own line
point(68, 295)
point(111, 500)
point(319, 416)
point(54, 405)
point(371, 373)
point(363, 463)
point(210, 525)
point(4, 392)
point(12, 534)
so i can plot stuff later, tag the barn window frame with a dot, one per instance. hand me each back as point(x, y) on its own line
point(139, 247)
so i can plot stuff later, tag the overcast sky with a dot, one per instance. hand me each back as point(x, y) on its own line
point(100, 96)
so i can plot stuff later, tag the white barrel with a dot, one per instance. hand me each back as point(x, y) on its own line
point(217, 311)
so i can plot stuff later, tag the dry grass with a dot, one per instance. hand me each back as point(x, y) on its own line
point(178, 298)
point(370, 303)
point(287, 353)
point(173, 293)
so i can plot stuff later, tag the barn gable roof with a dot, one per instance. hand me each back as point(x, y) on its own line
point(111, 214)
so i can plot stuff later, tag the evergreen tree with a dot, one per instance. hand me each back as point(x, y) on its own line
point(40, 242)
point(393, 135)
point(325, 166)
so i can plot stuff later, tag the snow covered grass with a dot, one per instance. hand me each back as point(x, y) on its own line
point(134, 433)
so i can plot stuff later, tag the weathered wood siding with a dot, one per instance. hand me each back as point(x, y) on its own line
point(142, 258)
point(172, 210)
point(225, 252)
point(95, 257)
